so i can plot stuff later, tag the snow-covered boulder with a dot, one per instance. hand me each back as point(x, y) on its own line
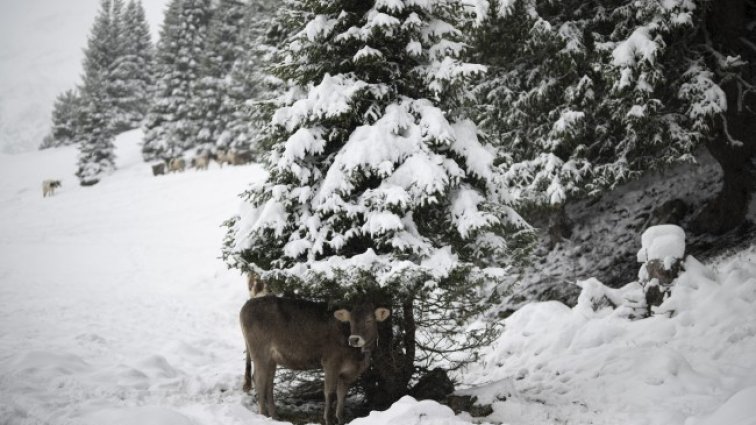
point(662, 251)
point(663, 242)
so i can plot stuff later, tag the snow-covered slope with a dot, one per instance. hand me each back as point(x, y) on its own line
point(41, 44)
point(114, 309)
point(694, 363)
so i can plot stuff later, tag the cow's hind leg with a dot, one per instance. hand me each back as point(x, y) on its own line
point(247, 373)
point(271, 375)
point(265, 370)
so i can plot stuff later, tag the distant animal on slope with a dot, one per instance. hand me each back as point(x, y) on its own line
point(256, 286)
point(49, 186)
point(158, 169)
point(302, 335)
point(223, 157)
point(201, 162)
point(233, 158)
point(241, 158)
point(176, 164)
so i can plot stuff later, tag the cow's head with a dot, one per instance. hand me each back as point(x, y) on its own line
point(363, 324)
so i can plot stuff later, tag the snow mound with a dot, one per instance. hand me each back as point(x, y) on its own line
point(662, 242)
point(408, 411)
point(595, 364)
point(740, 409)
point(138, 416)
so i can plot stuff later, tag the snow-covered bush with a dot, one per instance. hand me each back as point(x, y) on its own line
point(377, 185)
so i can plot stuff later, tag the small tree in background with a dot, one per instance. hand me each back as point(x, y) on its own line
point(252, 88)
point(170, 127)
point(223, 47)
point(95, 139)
point(65, 122)
point(378, 188)
point(131, 79)
point(95, 119)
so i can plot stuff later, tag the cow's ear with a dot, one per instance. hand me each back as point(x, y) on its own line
point(342, 315)
point(382, 314)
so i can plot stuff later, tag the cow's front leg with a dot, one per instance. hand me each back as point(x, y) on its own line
point(341, 391)
point(329, 388)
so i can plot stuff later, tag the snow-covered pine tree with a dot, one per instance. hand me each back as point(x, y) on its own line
point(131, 78)
point(94, 125)
point(584, 96)
point(376, 186)
point(95, 138)
point(223, 47)
point(65, 119)
point(101, 51)
point(170, 129)
point(252, 88)
point(114, 84)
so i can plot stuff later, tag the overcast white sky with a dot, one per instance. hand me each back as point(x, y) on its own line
point(41, 44)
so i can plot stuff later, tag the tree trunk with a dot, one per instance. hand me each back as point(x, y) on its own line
point(560, 227)
point(393, 364)
point(736, 143)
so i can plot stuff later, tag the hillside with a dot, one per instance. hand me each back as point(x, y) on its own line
point(113, 304)
point(114, 308)
point(605, 234)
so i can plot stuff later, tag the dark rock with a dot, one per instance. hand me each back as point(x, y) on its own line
point(435, 385)
point(468, 403)
point(670, 212)
point(658, 283)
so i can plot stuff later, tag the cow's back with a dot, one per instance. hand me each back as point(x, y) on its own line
point(296, 334)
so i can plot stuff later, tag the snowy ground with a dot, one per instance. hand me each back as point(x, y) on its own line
point(693, 363)
point(113, 305)
point(114, 309)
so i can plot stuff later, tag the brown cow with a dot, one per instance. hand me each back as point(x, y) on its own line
point(241, 158)
point(176, 164)
point(158, 169)
point(302, 335)
point(256, 286)
point(201, 162)
point(224, 157)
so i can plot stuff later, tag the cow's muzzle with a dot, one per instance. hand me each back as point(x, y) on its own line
point(356, 341)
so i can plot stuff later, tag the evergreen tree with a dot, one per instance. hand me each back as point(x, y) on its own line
point(222, 49)
point(94, 126)
point(131, 77)
point(376, 186)
point(252, 88)
point(725, 43)
point(170, 127)
point(95, 138)
point(583, 96)
point(101, 51)
point(65, 116)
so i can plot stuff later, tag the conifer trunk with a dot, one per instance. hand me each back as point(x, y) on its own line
point(736, 143)
point(393, 363)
